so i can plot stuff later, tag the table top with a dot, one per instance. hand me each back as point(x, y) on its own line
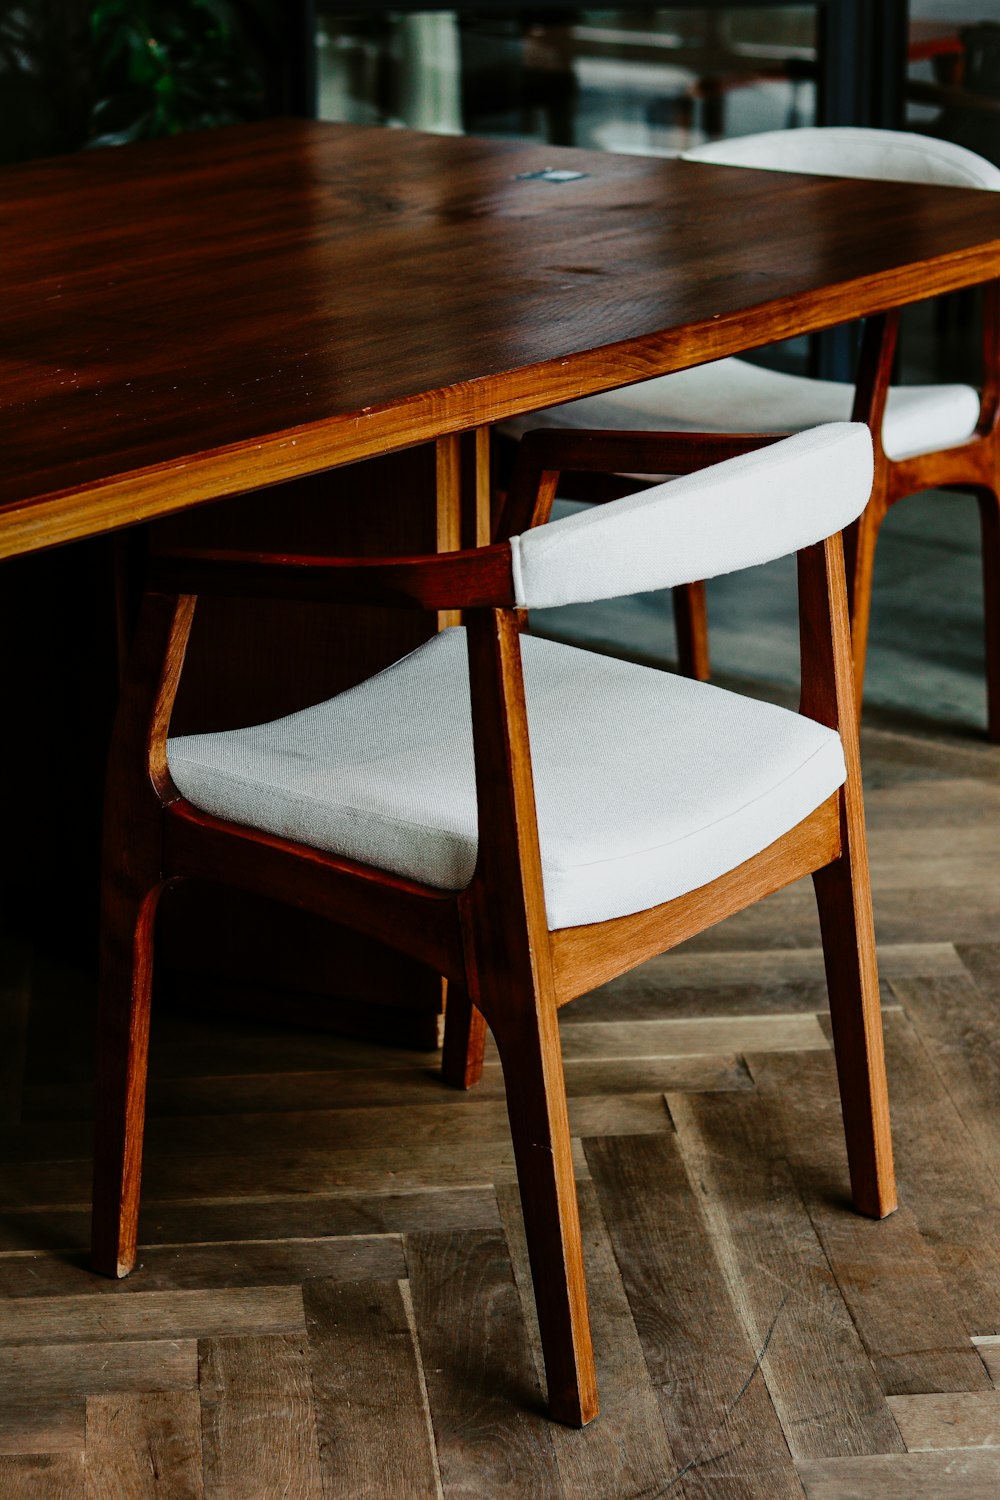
point(187, 319)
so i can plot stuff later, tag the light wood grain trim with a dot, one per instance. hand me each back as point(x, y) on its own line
point(585, 957)
point(484, 525)
point(448, 469)
point(65, 515)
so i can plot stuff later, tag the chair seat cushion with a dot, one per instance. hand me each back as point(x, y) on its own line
point(731, 395)
point(647, 785)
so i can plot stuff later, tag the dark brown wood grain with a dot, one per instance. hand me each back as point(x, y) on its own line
point(258, 1422)
point(311, 1217)
point(485, 1401)
point(690, 607)
point(764, 1238)
point(252, 659)
point(947, 1184)
point(899, 1300)
point(963, 1475)
point(626, 1454)
point(195, 1267)
point(43, 1476)
point(372, 1421)
point(713, 1399)
point(47, 1426)
point(364, 1088)
point(144, 1446)
point(151, 1315)
point(971, 1074)
point(901, 1304)
point(37, 1372)
point(193, 318)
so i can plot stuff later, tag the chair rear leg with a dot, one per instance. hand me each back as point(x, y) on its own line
point(464, 1040)
point(536, 1104)
point(844, 900)
point(122, 1051)
point(989, 518)
point(691, 624)
point(859, 558)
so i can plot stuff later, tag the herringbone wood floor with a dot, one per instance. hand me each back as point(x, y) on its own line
point(332, 1298)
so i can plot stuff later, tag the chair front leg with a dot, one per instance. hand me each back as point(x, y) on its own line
point(845, 915)
point(122, 1050)
point(509, 971)
point(528, 1042)
point(843, 890)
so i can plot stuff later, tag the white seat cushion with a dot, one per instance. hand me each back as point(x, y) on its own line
point(731, 395)
point(647, 785)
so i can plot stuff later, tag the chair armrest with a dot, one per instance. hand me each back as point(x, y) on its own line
point(547, 452)
point(450, 580)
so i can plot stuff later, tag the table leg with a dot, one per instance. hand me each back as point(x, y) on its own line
point(462, 475)
point(476, 493)
point(448, 481)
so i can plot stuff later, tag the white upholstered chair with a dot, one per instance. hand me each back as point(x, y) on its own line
point(527, 818)
point(926, 436)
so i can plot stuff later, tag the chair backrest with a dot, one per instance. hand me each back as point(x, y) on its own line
point(854, 151)
point(738, 513)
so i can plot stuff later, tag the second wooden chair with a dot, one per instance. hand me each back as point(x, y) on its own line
point(926, 436)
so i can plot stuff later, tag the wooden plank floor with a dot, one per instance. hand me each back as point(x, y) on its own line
point(333, 1300)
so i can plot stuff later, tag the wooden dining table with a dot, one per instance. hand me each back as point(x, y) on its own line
point(302, 332)
point(193, 318)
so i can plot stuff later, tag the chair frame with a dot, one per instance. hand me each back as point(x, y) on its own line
point(972, 467)
point(491, 941)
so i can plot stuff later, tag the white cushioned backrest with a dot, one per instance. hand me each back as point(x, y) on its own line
point(733, 515)
point(854, 151)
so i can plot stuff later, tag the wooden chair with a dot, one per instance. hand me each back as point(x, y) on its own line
point(926, 436)
point(449, 806)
